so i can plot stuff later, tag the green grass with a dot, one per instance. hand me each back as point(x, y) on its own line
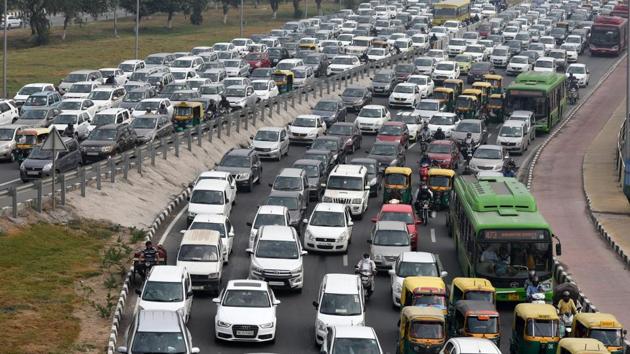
point(93, 46)
point(39, 268)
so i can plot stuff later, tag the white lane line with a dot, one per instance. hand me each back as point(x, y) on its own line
point(345, 260)
point(9, 182)
point(170, 226)
point(411, 146)
point(433, 235)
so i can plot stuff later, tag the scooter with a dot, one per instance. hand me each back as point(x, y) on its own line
point(574, 96)
point(566, 322)
point(367, 281)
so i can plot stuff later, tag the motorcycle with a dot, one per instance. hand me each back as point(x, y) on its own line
point(509, 169)
point(424, 143)
point(367, 281)
point(467, 152)
point(573, 95)
point(424, 210)
point(566, 322)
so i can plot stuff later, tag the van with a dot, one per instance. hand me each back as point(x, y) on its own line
point(167, 287)
point(512, 136)
point(201, 253)
point(348, 184)
point(530, 122)
point(340, 302)
point(209, 197)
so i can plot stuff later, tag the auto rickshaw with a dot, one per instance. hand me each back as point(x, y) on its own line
point(283, 80)
point(456, 84)
point(308, 43)
point(474, 92)
point(472, 289)
point(581, 346)
point(601, 326)
point(474, 318)
point(380, 43)
point(485, 88)
point(446, 96)
point(535, 329)
point(424, 292)
point(421, 330)
point(187, 115)
point(26, 139)
point(397, 185)
point(467, 107)
point(494, 108)
point(441, 183)
point(496, 81)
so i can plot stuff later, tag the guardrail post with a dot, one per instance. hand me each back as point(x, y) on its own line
point(306, 94)
point(199, 134)
point(327, 87)
point(321, 90)
point(210, 132)
point(14, 202)
point(277, 106)
point(82, 180)
point(338, 78)
point(40, 193)
point(238, 122)
point(189, 139)
point(219, 127)
point(152, 152)
point(176, 143)
point(164, 147)
point(292, 99)
point(230, 121)
point(250, 115)
point(286, 104)
point(112, 169)
point(98, 176)
point(125, 165)
point(62, 182)
point(299, 93)
point(138, 154)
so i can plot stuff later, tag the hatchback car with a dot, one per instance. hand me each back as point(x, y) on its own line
point(39, 162)
point(108, 140)
point(271, 142)
point(244, 164)
point(394, 131)
point(387, 153)
point(351, 339)
point(388, 240)
point(411, 264)
point(445, 153)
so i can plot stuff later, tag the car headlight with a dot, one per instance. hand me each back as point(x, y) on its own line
point(22, 168)
point(47, 167)
point(107, 149)
point(397, 288)
point(309, 235)
point(378, 256)
point(267, 325)
point(223, 324)
point(213, 275)
point(357, 201)
point(321, 325)
point(343, 236)
point(297, 270)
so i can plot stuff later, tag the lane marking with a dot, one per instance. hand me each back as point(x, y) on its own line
point(170, 226)
point(345, 260)
point(412, 145)
point(9, 182)
point(433, 235)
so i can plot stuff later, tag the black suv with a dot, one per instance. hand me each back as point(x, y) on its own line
point(108, 140)
point(244, 165)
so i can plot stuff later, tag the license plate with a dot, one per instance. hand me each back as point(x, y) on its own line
point(197, 287)
point(92, 153)
point(276, 283)
point(513, 297)
point(32, 173)
point(244, 333)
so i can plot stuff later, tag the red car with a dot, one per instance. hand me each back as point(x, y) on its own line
point(394, 131)
point(445, 152)
point(258, 60)
point(404, 213)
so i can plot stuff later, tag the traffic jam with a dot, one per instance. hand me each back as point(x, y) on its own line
point(387, 219)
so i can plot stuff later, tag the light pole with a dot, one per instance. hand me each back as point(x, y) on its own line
point(137, 25)
point(626, 133)
point(241, 19)
point(4, 55)
point(305, 8)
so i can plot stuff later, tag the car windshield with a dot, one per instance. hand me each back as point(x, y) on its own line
point(246, 298)
point(163, 291)
point(312, 59)
point(424, 62)
point(65, 119)
point(220, 228)
point(235, 92)
point(36, 101)
point(267, 135)
point(305, 122)
point(404, 89)
point(468, 127)
point(371, 113)
point(405, 217)
point(353, 92)
point(154, 60)
point(183, 96)
point(29, 90)
point(610, 337)
point(439, 149)
point(340, 305)
point(412, 269)
point(328, 219)
point(376, 51)
point(356, 345)
point(70, 106)
point(179, 75)
point(426, 330)
point(209, 90)
point(511, 131)
point(103, 119)
point(6, 134)
point(277, 249)
point(269, 219)
point(391, 238)
point(102, 134)
point(325, 144)
point(134, 96)
point(139, 76)
point(482, 325)
point(38, 154)
point(144, 123)
point(283, 183)
point(544, 64)
point(542, 328)
point(232, 63)
point(239, 42)
point(484, 153)
point(345, 183)
point(158, 342)
point(457, 42)
point(383, 150)
point(290, 202)
point(339, 129)
point(557, 54)
point(100, 95)
point(326, 106)
point(311, 170)
point(198, 253)
point(500, 52)
point(575, 69)
point(211, 197)
point(75, 78)
point(404, 69)
point(428, 106)
point(519, 60)
point(127, 67)
point(342, 61)
point(392, 130)
point(522, 36)
point(441, 120)
point(182, 63)
point(261, 85)
point(429, 300)
point(147, 105)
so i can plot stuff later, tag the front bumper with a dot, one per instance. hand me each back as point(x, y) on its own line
point(304, 138)
point(236, 333)
point(280, 279)
point(326, 244)
point(395, 102)
point(269, 153)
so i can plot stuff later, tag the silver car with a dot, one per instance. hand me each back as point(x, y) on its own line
point(488, 158)
point(241, 96)
point(476, 127)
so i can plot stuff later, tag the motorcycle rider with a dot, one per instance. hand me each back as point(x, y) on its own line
point(149, 256)
point(425, 133)
point(509, 168)
point(162, 109)
point(533, 288)
point(424, 193)
point(573, 82)
point(425, 159)
point(566, 305)
point(224, 103)
point(367, 264)
point(439, 134)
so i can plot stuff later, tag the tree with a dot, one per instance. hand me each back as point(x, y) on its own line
point(197, 7)
point(275, 4)
point(35, 12)
point(297, 12)
point(130, 6)
point(169, 7)
point(72, 10)
point(319, 7)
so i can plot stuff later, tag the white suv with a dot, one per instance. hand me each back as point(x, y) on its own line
point(329, 229)
point(348, 184)
point(167, 287)
point(412, 264)
point(209, 197)
point(268, 215)
point(219, 223)
point(277, 258)
point(340, 302)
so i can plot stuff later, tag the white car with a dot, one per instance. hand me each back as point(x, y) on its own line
point(372, 117)
point(348, 184)
point(340, 302)
point(8, 112)
point(221, 176)
point(539, 48)
point(444, 120)
point(267, 215)
point(241, 45)
point(129, 66)
point(452, 26)
point(78, 104)
point(341, 63)
point(412, 264)
point(107, 97)
point(577, 40)
point(580, 72)
point(424, 83)
point(438, 55)
point(30, 89)
point(265, 89)
point(209, 197)
point(424, 65)
point(420, 41)
point(509, 32)
point(445, 70)
point(81, 89)
point(246, 311)
point(236, 67)
point(152, 105)
point(193, 62)
point(545, 65)
point(395, 36)
point(272, 142)
point(201, 253)
point(110, 116)
point(405, 94)
point(456, 46)
point(181, 75)
point(79, 119)
point(223, 46)
point(477, 52)
point(276, 258)
point(549, 42)
point(168, 287)
point(306, 128)
point(513, 136)
point(241, 96)
point(118, 75)
point(351, 339)
point(375, 54)
point(518, 64)
point(439, 32)
point(220, 223)
point(488, 158)
point(427, 108)
point(572, 51)
point(500, 56)
point(467, 345)
point(345, 39)
point(471, 37)
point(329, 229)
point(403, 44)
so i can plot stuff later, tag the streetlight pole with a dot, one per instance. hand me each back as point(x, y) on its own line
point(305, 8)
point(626, 133)
point(241, 18)
point(5, 93)
point(137, 26)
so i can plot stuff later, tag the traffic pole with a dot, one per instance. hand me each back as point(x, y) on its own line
point(137, 26)
point(5, 93)
point(626, 140)
point(241, 13)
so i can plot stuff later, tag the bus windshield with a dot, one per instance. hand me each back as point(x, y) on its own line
point(510, 258)
point(604, 36)
point(445, 11)
point(534, 101)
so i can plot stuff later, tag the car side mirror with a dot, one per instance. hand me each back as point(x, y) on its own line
point(391, 272)
point(276, 302)
point(189, 294)
point(374, 219)
point(138, 292)
point(304, 253)
point(443, 274)
point(558, 249)
point(216, 300)
point(249, 250)
point(249, 224)
point(315, 304)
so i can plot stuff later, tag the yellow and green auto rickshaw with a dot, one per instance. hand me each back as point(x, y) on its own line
point(467, 107)
point(446, 96)
point(485, 89)
point(535, 329)
point(496, 81)
point(421, 330)
point(187, 115)
point(581, 346)
point(472, 289)
point(308, 43)
point(474, 92)
point(456, 84)
point(474, 318)
point(26, 139)
point(601, 326)
point(283, 80)
point(494, 108)
point(397, 185)
point(424, 292)
point(441, 182)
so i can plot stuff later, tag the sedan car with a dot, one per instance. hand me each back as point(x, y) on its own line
point(394, 131)
point(476, 127)
point(331, 110)
point(424, 83)
point(445, 153)
point(488, 158)
point(272, 142)
point(241, 96)
point(149, 325)
point(387, 153)
point(477, 71)
point(354, 98)
point(151, 127)
point(405, 95)
point(445, 121)
point(349, 132)
point(306, 128)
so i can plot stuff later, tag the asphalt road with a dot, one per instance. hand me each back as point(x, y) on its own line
point(296, 315)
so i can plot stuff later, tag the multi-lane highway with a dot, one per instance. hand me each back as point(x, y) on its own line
point(296, 315)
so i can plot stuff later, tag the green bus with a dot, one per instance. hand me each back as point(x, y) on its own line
point(543, 93)
point(500, 235)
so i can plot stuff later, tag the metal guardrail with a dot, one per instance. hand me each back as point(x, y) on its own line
point(621, 164)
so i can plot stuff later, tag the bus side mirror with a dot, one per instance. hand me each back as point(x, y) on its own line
point(558, 249)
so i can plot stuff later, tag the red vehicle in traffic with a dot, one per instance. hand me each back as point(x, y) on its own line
point(445, 153)
point(404, 213)
point(609, 35)
point(258, 60)
point(394, 131)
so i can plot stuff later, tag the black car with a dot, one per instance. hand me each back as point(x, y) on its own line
point(261, 74)
point(278, 53)
point(325, 156)
point(373, 175)
point(316, 174)
point(244, 165)
point(477, 71)
point(403, 71)
point(318, 61)
point(331, 111)
point(383, 82)
point(39, 164)
point(350, 134)
point(108, 140)
point(354, 97)
point(294, 202)
point(336, 144)
point(515, 46)
point(559, 34)
point(387, 153)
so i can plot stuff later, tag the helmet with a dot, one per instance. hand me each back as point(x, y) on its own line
point(535, 280)
point(366, 255)
point(469, 135)
point(565, 294)
point(532, 274)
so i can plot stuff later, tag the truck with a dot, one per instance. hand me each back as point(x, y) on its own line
point(609, 35)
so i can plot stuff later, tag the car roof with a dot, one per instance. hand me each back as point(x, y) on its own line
point(491, 147)
point(354, 332)
point(246, 284)
point(293, 194)
point(239, 152)
point(396, 208)
point(474, 345)
point(111, 110)
point(166, 273)
point(201, 237)
point(211, 218)
point(83, 71)
point(417, 257)
point(291, 172)
point(214, 173)
point(391, 225)
point(331, 207)
point(277, 232)
point(158, 321)
point(362, 160)
point(341, 283)
point(272, 209)
point(211, 184)
point(307, 162)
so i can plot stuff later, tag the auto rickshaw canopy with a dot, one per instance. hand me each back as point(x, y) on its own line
point(188, 110)
point(598, 320)
point(394, 170)
point(456, 84)
point(536, 311)
point(462, 285)
point(581, 346)
point(413, 286)
point(473, 92)
point(476, 308)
